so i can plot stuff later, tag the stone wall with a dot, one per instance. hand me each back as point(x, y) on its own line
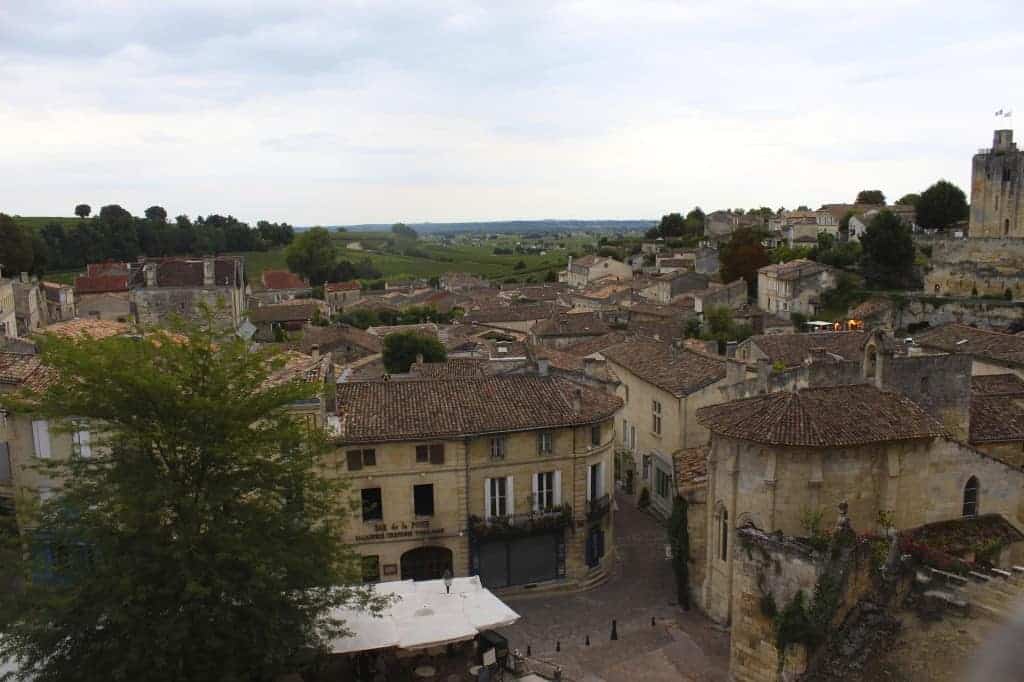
point(156, 306)
point(731, 295)
point(975, 267)
point(938, 382)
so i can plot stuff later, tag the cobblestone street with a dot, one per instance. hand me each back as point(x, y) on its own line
point(681, 646)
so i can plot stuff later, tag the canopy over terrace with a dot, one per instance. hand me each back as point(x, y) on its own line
point(424, 615)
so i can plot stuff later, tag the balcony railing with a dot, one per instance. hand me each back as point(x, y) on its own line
point(599, 507)
point(520, 525)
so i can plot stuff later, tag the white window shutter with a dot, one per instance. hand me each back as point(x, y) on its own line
point(84, 448)
point(487, 498)
point(41, 438)
point(558, 487)
point(510, 496)
point(536, 491)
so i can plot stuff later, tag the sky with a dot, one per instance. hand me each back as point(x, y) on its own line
point(342, 112)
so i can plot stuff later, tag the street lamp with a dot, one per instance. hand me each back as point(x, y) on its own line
point(447, 577)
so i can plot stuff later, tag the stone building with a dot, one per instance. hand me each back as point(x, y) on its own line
point(102, 292)
point(785, 351)
point(566, 329)
point(274, 319)
point(990, 352)
point(997, 180)
point(793, 287)
point(976, 267)
point(582, 271)
point(778, 460)
point(181, 287)
point(668, 286)
point(60, 301)
point(281, 285)
point(29, 304)
point(8, 318)
point(339, 294)
point(662, 387)
point(506, 477)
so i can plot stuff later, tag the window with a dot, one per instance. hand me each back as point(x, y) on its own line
point(357, 459)
point(595, 435)
point(432, 453)
point(646, 465)
point(423, 499)
point(632, 437)
point(627, 393)
point(971, 497)
point(1006, 226)
point(41, 438)
point(546, 490)
point(625, 432)
point(544, 443)
point(373, 509)
point(656, 410)
point(498, 496)
point(723, 543)
point(595, 481)
point(81, 440)
point(498, 447)
point(662, 483)
point(371, 569)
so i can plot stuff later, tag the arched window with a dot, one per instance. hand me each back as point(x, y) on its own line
point(723, 543)
point(971, 497)
point(1006, 226)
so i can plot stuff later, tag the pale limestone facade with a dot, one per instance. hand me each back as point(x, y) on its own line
point(462, 489)
point(591, 268)
point(776, 487)
point(8, 321)
point(793, 287)
point(648, 451)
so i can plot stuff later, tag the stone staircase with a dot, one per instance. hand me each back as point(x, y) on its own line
point(991, 594)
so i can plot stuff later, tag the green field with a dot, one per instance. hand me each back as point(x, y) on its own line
point(37, 222)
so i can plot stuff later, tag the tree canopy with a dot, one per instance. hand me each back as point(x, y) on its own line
point(674, 225)
point(887, 257)
point(83, 210)
point(910, 199)
point(198, 540)
point(313, 255)
point(742, 256)
point(404, 231)
point(17, 248)
point(401, 349)
point(941, 206)
point(871, 196)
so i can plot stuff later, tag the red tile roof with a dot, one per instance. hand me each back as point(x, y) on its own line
point(282, 279)
point(792, 349)
point(374, 412)
point(837, 416)
point(571, 324)
point(354, 285)
point(293, 311)
point(100, 284)
point(20, 370)
point(999, 348)
point(997, 384)
point(794, 269)
point(997, 418)
point(680, 371)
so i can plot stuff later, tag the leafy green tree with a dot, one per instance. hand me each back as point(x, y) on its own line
point(520, 265)
point(909, 199)
point(844, 222)
point(83, 210)
point(199, 535)
point(843, 296)
point(721, 327)
point(672, 225)
point(887, 257)
point(17, 249)
point(401, 349)
point(742, 256)
point(156, 214)
point(313, 255)
point(404, 231)
point(695, 220)
point(679, 540)
point(941, 206)
point(551, 276)
point(871, 196)
point(836, 253)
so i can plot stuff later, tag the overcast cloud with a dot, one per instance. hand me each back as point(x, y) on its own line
point(376, 111)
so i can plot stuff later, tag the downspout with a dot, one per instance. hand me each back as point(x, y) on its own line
point(469, 539)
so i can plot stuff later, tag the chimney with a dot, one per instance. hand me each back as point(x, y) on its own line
point(543, 366)
point(577, 401)
point(315, 351)
point(149, 274)
point(208, 272)
point(764, 371)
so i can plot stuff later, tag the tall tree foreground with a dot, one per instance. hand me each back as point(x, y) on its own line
point(199, 540)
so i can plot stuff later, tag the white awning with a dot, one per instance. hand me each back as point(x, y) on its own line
point(423, 615)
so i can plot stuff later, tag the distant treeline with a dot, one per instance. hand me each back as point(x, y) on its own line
point(115, 234)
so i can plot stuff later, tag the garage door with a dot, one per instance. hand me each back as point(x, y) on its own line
point(520, 562)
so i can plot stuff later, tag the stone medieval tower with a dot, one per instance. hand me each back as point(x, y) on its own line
point(997, 179)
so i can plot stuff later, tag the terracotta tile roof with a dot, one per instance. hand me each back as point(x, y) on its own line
point(680, 371)
point(560, 359)
point(512, 313)
point(282, 279)
point(835, 416)
point(291, 311)
point(598, 343)
point(428, 328)
point(791, 349)
point(373, 412)
point(870, 308)
point(997, 418)
point(343, 286)
point(88, 327)
point(299, 366)
point(100, 284)
point(572, 324)
point(958, 536)
point(20, 370)
point(1003, 349)
point(997, 384)
point(453, 368)
point(691, 466)
point(794, 269)
point(330, 338)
